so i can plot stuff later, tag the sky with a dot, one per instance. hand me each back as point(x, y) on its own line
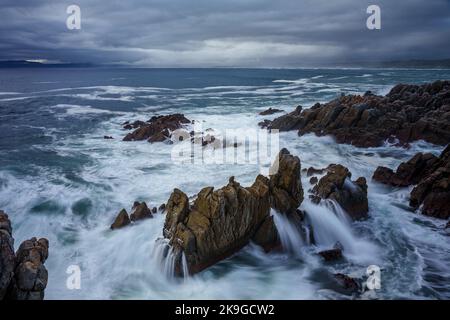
point(225, 33)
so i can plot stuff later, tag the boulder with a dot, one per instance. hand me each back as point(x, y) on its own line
point(407, 113)
point(220, 222)
point(7, 256)
point(30, 274)
point(121, 220)
point(350, 195)
point(332, 254)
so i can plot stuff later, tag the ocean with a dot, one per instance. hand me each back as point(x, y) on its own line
point(60, 179)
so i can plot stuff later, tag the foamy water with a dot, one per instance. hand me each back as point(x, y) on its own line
point(61, 180)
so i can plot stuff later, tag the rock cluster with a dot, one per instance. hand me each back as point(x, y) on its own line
point(140, 211)
point(407, 113)
point(23, 275)
point(338, 186)
point(220, 222)
point(157, 129)
point(431, 177)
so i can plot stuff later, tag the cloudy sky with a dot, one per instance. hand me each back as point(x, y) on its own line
point(234, 33)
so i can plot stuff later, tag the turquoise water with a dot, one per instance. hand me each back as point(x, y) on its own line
point(60, 179)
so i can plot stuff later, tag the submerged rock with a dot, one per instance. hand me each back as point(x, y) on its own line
point(346, 282)
point(407, 113)
point(221, 222)
point(430, 174)
point(332, 254)
point(350, 195)
point(23, 275)
point(157, 129)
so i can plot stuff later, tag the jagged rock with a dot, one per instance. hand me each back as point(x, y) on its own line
point(121, 220)
point(140, 211)
point(346, 282)
point(313, 180)
point(432, 193)
point(350, 195)
point(407, 113)
point(432, 178)
point(107, 137)
point(157, 129)
point(7, 257)
point(162, 207)
point(30, 274)
point(408, 173)
point(269, 111)
point(220, 222)
point(290, 121)
point(286, 192)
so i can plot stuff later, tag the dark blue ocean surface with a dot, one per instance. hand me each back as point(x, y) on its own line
point(60, 179)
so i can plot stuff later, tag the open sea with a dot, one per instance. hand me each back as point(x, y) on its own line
point(60, 179)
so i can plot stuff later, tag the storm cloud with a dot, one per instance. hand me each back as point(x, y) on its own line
point(225, 33)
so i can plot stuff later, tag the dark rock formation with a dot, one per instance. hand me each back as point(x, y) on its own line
point(121, 220)
point(313, 180)
point(346, 282)
point(140, 211)
point(332, 254)
point(162, 208)
point(430, 174)
point(23, 275)
point(290, 121)
point(408, 173)
point(407, 113)
point(350, 195)
point(270, 111)
point(7, 257)
point(30, 275)
point(108, 137)
point(157, 129)
point(220, 222)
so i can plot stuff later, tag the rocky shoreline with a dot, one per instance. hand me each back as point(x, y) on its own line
point(406, 114)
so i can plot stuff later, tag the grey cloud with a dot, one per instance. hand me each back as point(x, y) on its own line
point(247, 33)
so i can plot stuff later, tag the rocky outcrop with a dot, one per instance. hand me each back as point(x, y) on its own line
point(7, 257)
point(408, 173)
point(348, 283)
point(431, 175)
point(157, 129)
point(270, 111)
point(332, 254)
point(290, 121)
point(350, 195)
point(220, 222)
point(23, 275)
point(140, 211)
point(407, 113)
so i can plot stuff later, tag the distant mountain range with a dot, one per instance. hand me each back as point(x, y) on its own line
point(35, 64)
point(419, 64)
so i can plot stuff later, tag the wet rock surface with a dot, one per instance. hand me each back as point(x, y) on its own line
point(431, 177)
point(157, 129)
point(407, 113)
point(338, 186)
point(23, 275)
point(220, 222)
point(270, 111)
